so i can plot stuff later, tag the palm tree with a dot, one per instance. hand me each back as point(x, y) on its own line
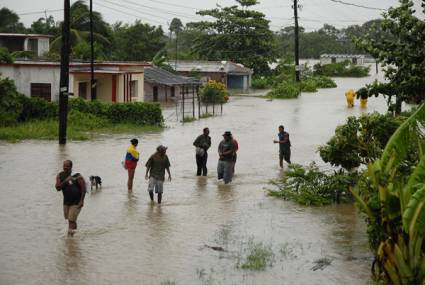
point(80, 26)
point(394, 202)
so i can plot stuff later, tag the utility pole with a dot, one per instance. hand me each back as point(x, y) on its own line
point(297, 59)
point(175, 63)
point(64, 75)
point(92, 80)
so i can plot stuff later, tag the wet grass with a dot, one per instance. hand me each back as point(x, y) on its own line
point(259, 256)
point(206, 115)
point(188, 120)
point(48, 130)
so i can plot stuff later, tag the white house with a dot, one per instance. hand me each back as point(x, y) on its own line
point(37, 43)
point(334, 58)
point(115, 81)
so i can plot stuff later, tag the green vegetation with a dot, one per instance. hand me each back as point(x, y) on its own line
point(214, 92)
point(310, 186)
point(283, 84)
point(6, 56)
point(236, 29)
point(188, 120)
point(393, 200)
point(206, 115)
point(341, 69)
point(259, 256)
point(360, 140)
point(402, 55)
point(34, 118)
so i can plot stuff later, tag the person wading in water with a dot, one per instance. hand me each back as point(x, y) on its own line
point(155, 172)
point(284, 146)
point(73, 188)
point(202, 144)
point(226, 151)
point(131, 159)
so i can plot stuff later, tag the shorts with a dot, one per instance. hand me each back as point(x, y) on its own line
point(130, 164)
point(155, 184)
point(71, 212)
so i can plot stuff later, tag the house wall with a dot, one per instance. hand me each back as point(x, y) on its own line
point(162, 90)
point(103, 86)
point(43, 46)
point(138, 77)
point(328, 60)
point(25, 75)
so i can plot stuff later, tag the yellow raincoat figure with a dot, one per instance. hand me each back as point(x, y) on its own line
point(363, 103)
point(349, 95)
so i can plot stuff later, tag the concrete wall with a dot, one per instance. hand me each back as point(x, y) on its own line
point(148, 93)
point(103, 86)
point(25, 75)
point(328, 60)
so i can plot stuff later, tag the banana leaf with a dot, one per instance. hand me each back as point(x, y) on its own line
point(414, 215)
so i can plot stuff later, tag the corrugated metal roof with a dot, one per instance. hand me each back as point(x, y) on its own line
point(160, 76)
point(210, 66)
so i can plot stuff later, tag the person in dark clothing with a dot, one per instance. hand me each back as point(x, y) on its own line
point(202, 144)
point(226, 151)
point(155, 172)
point(284, 146)
point(73, 188)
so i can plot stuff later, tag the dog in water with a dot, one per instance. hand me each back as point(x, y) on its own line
point(95, 181)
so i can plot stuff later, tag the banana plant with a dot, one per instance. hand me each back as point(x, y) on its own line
point(394, 201)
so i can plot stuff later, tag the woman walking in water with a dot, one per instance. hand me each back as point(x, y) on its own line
point(131, 159)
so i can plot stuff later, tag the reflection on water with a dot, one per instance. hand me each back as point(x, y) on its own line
point(124, 238)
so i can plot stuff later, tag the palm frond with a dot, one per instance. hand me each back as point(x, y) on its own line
point(414, 216)
point(397, 147)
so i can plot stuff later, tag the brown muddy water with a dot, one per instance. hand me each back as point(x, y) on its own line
point(124, 239)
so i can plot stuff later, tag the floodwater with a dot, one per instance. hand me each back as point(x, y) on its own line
point(124, 239)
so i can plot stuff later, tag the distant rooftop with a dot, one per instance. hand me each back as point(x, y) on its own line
point(80, 63)
point(211, 66)
point(326, 55)
point(25, 35)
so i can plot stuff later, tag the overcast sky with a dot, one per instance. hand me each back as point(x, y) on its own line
point(313, 13)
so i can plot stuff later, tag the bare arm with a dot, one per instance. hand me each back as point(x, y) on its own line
point(82, 184)
point(59, 185)
point(169, 173)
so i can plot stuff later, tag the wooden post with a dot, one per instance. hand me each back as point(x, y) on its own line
point(182, 103)
point(193, 102)
point(199, 102)
point(213, 108)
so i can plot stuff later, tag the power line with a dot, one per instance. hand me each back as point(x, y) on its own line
point(128, 14)
point(357, 5)
point(40, 12)
point(132, 9)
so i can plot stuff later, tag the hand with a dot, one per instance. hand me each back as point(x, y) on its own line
point(146, 177)
point(81, 204)
point(275, 141)
point(169, 177)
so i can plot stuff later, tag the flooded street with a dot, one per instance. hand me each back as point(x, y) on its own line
point(124, 239)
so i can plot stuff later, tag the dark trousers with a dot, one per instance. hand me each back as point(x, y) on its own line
point(201, 163)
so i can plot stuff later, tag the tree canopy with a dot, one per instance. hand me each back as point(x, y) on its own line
point(402, 55)
point(9, 22)
point(238, 34)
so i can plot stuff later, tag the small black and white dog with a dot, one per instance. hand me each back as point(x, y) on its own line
point(95, 181)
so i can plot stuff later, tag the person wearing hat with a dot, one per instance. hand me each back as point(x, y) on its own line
point(226, 151)
point(155, 172)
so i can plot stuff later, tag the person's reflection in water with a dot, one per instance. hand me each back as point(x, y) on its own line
point(131, 203)
point(71, 263)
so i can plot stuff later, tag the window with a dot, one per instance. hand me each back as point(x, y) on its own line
point(173, 91)
point(82, 89)
point(333, 60)
point(354, 60)
point(41, 90)
point(33, 45)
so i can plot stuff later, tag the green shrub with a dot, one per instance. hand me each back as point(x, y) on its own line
point(308, 85)
point(93, 107)
point(86, 121)
point(341, 69)
point(136, 113)
point(6, 56)
point(10, 107)
point(260, 83)
point(359, 140)
point(284, 90)
point(37, 109)
point(310, 186)
point(324, 82)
